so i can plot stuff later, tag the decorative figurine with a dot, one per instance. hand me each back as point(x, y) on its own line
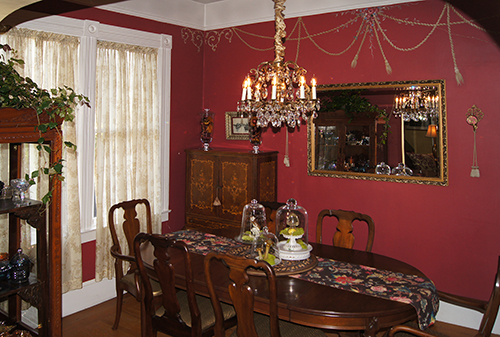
point(253, 220)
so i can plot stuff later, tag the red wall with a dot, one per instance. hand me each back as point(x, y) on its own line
point(451, 232)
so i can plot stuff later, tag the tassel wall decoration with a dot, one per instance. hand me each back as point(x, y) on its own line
point(474, 115)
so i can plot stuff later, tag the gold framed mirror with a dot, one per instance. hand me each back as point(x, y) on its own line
point(386, 131)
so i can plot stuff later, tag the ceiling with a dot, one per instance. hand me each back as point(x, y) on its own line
point(218, 14)
point(206, 1)
point(198, 14)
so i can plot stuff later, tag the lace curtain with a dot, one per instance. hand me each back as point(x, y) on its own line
point(127, 158)
point(51, 60)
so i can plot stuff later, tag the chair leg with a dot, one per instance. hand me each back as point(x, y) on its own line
point(144, 332)
point(119, 302)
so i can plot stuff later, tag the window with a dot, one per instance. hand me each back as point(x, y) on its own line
point(94, 33)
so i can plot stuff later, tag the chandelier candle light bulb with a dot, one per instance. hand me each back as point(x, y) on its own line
point(302, 89)
point(273, 96)
point(249, 89)
point(244, 93)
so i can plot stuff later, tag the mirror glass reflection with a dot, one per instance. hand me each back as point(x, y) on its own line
point(390, 131)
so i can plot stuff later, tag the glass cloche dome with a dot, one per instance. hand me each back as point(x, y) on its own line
point(265, 247)
point(292, 231)
point(253, 220)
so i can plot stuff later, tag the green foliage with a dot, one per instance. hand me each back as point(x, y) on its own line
point(58, 104)
point(353, 104)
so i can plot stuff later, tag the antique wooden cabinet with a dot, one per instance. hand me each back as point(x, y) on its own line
point(44, 290)
point(219, 183)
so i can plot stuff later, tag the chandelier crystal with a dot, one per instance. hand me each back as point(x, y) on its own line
point(417, 104)
point(276, 93)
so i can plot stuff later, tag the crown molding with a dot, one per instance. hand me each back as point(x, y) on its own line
point(231, 13)
point(177, 12)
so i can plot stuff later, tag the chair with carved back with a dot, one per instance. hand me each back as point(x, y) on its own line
point(176, 312)
point(242, 297)
point(489, 309)
point(271, 207)
point(127, 280)
point(343, 236)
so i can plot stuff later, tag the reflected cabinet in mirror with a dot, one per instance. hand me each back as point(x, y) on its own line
point(388, 131)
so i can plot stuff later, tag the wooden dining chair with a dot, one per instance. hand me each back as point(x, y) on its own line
point(271, 207)
point(176, 312)
point(242, 296)
point(127, 280)
point(343, 237)
point(489, 309)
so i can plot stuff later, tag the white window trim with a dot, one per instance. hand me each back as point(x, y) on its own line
point(89, 32)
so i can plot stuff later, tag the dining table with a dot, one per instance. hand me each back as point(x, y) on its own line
point(346, 289)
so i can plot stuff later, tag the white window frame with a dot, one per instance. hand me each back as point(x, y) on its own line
point(90, 32)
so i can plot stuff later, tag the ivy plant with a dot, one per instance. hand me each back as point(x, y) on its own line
point(21, 92)
point(354, 105)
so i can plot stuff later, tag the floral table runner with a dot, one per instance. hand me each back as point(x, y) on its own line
point(412, 289)
point(204, 243)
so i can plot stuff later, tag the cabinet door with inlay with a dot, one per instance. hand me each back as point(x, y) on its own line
point(201, 185)
point(219, 183)
point(235, 180)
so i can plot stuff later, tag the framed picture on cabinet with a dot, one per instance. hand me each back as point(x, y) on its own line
point(237, 127)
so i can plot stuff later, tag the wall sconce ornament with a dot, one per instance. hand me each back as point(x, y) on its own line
point(473, 116)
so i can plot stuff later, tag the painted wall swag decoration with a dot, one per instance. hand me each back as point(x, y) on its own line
point(474, 115)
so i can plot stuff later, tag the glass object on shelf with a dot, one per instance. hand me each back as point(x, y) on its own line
point(357, 149)
point(20, 267)
point(207, 128)
point(253, 220)
point(20, 187)
point(255, 134)
point(292, 231)
point(4, 267)
point(6, 192)
point(402, 170)
point(265, 247)
point(383, 168)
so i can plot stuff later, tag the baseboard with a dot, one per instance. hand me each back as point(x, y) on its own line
point(461, 316)
point(94, 293)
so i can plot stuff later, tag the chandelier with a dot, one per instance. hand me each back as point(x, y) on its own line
point(276, 92)
point(417, 104)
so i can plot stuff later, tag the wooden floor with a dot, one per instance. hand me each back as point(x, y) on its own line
point(97, 321)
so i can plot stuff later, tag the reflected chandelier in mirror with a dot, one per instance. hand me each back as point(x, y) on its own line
point(386, 131)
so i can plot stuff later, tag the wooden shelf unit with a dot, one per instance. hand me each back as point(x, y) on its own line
point(36, 290)
point(17, 127)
